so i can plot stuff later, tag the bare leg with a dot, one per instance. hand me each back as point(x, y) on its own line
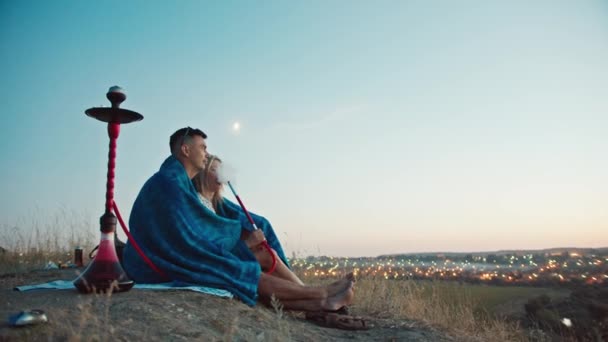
point(281, 270)
point(297, 297)
point(331, 303)
point(287, 290)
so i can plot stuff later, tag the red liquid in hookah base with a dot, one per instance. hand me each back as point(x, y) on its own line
point(104, 272)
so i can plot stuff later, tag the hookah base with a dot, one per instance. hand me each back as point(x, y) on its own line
point(103, 277)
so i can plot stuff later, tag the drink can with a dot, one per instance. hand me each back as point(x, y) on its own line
point(78, 257)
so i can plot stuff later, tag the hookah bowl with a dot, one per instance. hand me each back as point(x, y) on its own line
point(104, 273)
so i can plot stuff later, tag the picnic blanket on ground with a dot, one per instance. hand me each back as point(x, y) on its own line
point(69, 284)
point(189, 242)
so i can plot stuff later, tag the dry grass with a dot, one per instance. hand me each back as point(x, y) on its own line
point(429, 303)
point(44, 241)
point(434, 304)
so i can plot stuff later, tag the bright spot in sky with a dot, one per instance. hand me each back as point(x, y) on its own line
point(236, 126)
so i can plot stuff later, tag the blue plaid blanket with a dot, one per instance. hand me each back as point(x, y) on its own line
point(233, 211)
point(189, 242)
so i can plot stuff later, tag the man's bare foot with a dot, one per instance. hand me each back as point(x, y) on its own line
point(340, 299)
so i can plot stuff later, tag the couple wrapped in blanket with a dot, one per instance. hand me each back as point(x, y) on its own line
point(191, 243)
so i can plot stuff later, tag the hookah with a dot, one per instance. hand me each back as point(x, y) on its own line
point(263, 243)
point(104, 273)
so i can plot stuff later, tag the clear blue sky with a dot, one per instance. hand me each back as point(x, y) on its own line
point(367, 127)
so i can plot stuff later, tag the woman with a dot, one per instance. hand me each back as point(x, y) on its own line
point(210, 193)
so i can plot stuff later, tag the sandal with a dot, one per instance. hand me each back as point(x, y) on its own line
point(334, 320)
point(341, 311)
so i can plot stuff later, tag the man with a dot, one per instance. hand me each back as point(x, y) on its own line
point(191, 244)
point(189, 147)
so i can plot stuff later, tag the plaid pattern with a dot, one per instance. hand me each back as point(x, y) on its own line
point(186, 240)
point(232, 210)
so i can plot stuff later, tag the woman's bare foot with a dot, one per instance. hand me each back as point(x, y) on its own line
point(338, 286)
point(339, 299)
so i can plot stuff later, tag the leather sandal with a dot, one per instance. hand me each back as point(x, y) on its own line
point(334, 320)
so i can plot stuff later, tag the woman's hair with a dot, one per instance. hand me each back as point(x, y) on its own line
point(200, 181)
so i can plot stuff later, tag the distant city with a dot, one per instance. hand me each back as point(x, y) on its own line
point(550, 267)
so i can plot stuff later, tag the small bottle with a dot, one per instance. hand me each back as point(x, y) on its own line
point(78, 257)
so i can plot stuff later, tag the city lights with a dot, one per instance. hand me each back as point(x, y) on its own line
point(508, 269)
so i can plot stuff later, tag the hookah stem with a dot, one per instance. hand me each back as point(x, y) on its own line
point(243, 206)
point(113, 132)
point(264, 243)
point(135, 245)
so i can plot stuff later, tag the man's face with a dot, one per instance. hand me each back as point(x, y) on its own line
point(197, 149)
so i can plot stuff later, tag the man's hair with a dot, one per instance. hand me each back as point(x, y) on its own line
point(183, 135)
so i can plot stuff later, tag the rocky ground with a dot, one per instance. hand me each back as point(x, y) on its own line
point(172, 316)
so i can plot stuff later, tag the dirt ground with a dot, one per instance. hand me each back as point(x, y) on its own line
point(172, 316)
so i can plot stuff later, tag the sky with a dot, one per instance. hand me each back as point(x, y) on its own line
point(366, 127)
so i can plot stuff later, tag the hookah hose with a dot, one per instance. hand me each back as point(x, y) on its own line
point(135, 245)
point(263, 243)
